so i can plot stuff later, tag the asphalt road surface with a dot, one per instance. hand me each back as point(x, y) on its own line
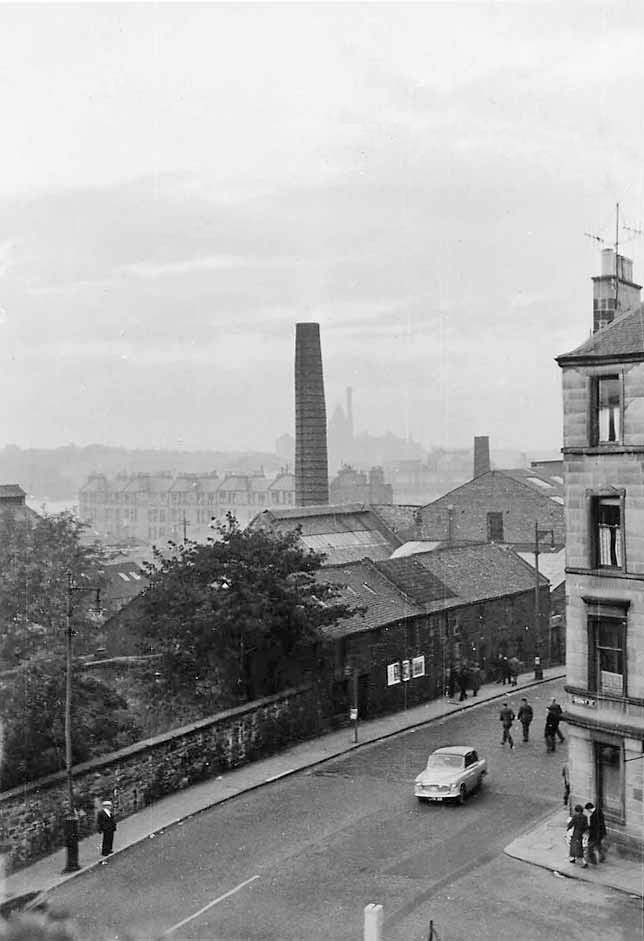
point(297, 860)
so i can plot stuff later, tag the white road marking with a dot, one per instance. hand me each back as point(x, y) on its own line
point(216, 901)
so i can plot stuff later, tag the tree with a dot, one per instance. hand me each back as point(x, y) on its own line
point(34, 561)
point(239, 617)
point(32, 713)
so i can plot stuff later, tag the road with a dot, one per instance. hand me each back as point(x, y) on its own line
point(299, 859)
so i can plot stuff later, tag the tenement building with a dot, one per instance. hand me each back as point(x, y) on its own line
point(603, 426)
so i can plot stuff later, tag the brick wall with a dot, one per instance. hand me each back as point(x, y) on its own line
point(31, 817)
point(492, 493)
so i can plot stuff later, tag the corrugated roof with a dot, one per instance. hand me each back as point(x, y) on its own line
point(624, 337)
point(482, 571)
point(343, 533)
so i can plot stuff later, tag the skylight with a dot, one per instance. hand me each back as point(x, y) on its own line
point(369, 588)
point(540, 483)
point(557, 479)
point(558, 500)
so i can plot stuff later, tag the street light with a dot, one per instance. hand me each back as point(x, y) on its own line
point(71, 819)
point(538, 533)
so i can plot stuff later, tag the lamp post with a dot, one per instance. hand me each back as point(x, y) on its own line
point(71, 819)
point(538, 641)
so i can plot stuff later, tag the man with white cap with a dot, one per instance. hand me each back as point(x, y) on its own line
point(106, 826)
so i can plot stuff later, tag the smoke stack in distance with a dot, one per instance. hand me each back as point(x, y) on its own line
point(481, 455)
point(311, 462)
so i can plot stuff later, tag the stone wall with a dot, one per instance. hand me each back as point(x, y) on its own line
point(491, 493)
point(31, 817)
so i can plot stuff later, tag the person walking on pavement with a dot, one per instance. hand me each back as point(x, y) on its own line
point(549, 732)
point(506, 717)
point(462, 684)
point(557, 712)
point(475, 679)
point(106, 825)
point(596, 833)
point(525, 715)
point(513, 666)
point(451, 683)
point(578, 823)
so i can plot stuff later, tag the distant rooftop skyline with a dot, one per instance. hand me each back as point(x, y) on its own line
point(183, 183)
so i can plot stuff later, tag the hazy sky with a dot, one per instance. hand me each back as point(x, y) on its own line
point(182, 183)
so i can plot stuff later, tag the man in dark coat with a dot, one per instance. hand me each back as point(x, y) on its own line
point(106, 825)
point(549, 732)
point(557, 712)
point(506, 717)
point(462, 683)
point(475, 679)
point(525, 718)
point(596, 833)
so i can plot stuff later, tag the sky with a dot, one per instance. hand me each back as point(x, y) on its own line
point(183, 183)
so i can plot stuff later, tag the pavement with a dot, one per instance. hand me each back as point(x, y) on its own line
point(543, 846)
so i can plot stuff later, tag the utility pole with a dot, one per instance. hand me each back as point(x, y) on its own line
point(538, 641)
point(71, 820)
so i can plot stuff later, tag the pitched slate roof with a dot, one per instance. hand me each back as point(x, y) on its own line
point(479, 572)
point(364, 586)
point(533, 480)
point(623, 338)
point(415, 580)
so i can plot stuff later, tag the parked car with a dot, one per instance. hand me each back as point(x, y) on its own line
point(452, 773)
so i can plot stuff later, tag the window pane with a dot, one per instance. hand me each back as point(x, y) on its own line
point(609, 532)
point(610, 779)
point(608, 405)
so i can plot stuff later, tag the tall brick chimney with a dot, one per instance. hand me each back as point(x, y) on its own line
point(311, 463)
point(481, 455)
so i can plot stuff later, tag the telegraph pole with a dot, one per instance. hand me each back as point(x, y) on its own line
point(538, 642)
point(71, 819)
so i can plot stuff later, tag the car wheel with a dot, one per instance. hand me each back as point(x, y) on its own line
point(421, 800)
point(462, 794)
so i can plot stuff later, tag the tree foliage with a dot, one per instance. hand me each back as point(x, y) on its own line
point(239, 617)
point(32, 710)
point(34, 561)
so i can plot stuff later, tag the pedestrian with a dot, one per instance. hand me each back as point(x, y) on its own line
point(506, 717)
point(525, 715)
point(462, 684)
point(451, 683)
point(549, 732)
point(506, 672)
point(513, 665)
point(106, 825)
point(596, 833)
point(579, 825)
point(565, 774)
point(557, 713)
point(498, 668)
point(475, 679)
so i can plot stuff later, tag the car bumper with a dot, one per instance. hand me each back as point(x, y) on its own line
point(430, 794)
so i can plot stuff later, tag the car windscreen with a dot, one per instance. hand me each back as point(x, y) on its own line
point(445, 761)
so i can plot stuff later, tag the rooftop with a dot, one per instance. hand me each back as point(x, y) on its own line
point(623, 338)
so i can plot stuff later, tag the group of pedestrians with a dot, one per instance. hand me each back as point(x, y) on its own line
point(507, 670)
point(586, 829)
point(464, 677)
point(525, 716)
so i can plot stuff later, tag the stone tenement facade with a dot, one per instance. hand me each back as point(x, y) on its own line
point(150, 508)
point(31, 817)
point(603, 403)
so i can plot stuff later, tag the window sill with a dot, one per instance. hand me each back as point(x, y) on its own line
point(605, 449)
point(604, 573)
